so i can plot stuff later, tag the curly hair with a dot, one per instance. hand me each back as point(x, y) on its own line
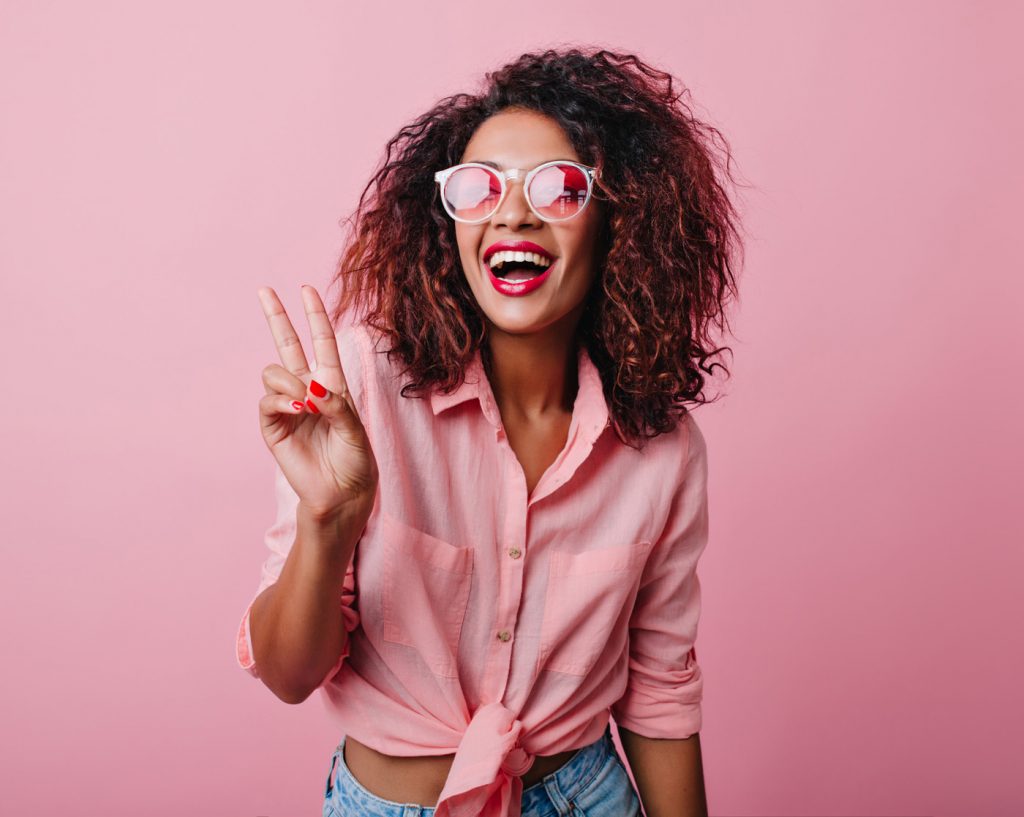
point(667, 243)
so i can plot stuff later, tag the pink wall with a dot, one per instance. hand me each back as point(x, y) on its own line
point(861, 633)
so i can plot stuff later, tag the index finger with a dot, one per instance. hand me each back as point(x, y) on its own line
point(289, 347)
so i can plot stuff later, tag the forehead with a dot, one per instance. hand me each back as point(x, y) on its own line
point(518, 138)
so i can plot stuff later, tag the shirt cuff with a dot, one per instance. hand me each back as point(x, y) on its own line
point(243, 646)
point(669, 708)
point(243, 643)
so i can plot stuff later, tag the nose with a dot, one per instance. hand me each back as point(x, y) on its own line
point(514, 212)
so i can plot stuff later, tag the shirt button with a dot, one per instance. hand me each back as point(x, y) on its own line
point(504, 635)
point(515, 553)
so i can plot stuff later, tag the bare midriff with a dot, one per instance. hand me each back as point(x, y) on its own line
point(420, 779)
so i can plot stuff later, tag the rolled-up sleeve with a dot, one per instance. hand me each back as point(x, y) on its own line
point(665, 685)
point(280, 537)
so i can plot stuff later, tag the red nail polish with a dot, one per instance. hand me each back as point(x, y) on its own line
point(312, 408)
point(297, 405)
point(317, 389)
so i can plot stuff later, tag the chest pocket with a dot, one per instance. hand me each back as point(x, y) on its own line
point(425, 593)
point(585, 606)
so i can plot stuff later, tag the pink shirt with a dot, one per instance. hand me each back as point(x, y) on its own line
point(499, 626)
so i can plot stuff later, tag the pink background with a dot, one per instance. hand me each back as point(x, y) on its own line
point(861, 635)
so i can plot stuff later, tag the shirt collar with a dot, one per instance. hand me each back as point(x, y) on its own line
point(472, 386)
point(590, 408)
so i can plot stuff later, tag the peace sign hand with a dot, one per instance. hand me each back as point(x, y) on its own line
point(323, 452)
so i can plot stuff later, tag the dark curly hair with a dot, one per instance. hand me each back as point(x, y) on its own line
point(667, 244)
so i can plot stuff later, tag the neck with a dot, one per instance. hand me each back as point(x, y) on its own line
point(534, 377)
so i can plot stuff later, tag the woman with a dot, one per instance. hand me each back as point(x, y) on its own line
point(540, 264)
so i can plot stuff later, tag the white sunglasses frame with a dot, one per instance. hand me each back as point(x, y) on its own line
point(504, 176)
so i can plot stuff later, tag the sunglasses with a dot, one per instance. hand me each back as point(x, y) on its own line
point(555, 191)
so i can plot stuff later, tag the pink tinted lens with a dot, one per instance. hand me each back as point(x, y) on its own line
point(559, 191)
point(472, 193)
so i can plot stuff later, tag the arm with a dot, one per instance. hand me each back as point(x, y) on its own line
point(295, 633)
point(669, 774)
point(299, 637)
point(659, 714)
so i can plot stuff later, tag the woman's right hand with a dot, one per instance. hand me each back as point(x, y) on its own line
point(325, 456)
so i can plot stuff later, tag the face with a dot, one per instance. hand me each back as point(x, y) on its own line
point(525, 139)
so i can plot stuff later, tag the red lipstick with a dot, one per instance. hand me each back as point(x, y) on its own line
point(522, 286)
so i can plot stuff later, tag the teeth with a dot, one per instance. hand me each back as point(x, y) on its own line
point(502, 257)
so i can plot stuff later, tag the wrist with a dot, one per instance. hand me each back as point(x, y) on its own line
point(334, 520)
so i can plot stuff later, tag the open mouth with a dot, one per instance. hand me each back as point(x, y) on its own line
point(512, 265)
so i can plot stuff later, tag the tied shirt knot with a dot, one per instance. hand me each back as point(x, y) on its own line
point(485, 777)
point(518, 761)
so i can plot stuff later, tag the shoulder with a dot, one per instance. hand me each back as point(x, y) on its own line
point(354, 348)
point(679, 451)
point(694, 440)
point(372, 374)
point(352, 326)
point(689, 453)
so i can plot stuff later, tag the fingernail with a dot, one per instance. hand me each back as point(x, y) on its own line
point(312, 408)
point(317, 389)
point(297, 405)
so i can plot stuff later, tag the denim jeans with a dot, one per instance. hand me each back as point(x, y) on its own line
point(594, 783)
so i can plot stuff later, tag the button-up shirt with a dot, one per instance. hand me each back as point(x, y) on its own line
point(498, 624)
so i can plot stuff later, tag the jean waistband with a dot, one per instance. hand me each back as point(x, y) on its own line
point(575, 775)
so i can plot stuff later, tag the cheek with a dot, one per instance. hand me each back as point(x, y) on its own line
point(468, 241)
point(582, 244)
